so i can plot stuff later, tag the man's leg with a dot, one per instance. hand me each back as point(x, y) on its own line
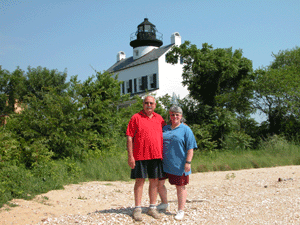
point(153, 183)
point(138, 191)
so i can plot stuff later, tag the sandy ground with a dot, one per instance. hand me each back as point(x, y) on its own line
point(255, 196)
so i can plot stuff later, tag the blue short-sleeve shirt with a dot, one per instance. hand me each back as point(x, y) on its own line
point(175, 146)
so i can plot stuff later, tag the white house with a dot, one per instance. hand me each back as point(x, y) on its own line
point(147, 69)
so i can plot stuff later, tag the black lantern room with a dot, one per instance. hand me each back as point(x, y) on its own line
point(146, 35)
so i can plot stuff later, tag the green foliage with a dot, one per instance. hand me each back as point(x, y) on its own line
point(203, 137)
point(61, 123)
point(39, 80)
point(275, 144)
point(277, 90)
point(74, 131)
point(237, 140)
point(274, 152)
point(12, 182)
point(9, 149)
point(216, 77)
point(15, 86)
point(220, 82)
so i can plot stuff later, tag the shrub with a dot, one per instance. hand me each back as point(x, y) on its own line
point(237, 140)
point(203, 137)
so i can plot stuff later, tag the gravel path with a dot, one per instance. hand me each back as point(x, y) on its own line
point(255, 196)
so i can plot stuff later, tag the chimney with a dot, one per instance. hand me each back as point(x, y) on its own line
point(120, 56)
point(176, 39)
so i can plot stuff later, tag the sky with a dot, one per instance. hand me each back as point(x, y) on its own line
point(82, 37)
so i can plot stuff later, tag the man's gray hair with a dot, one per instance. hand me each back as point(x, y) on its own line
point(177, 109)
point(151, 97)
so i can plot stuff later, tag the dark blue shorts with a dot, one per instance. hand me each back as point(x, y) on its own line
point(148, 169)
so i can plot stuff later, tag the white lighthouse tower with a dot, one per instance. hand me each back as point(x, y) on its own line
point(147, 69)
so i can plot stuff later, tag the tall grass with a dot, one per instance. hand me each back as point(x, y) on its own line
point(275, 151)
point(19, 182)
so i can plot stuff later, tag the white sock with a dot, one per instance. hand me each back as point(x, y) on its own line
point(152, 206)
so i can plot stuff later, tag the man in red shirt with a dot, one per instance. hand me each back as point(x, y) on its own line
point(144, 146)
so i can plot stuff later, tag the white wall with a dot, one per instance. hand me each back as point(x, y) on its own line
point(143, 50)
point(138, 71)
point(170, 79)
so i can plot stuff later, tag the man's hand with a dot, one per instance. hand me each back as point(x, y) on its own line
point(131, 162)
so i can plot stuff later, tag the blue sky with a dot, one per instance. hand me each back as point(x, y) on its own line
point(84, 35)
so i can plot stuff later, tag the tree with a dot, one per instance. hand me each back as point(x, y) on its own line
point(39, 80)
point(15, 86)
point(216, 77)
point(12, 89)
point(220, 85)
point(76, 122)
point(277, 92)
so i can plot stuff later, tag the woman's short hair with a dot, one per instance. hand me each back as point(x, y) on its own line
point(177, 109)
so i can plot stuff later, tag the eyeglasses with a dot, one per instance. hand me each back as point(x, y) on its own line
point(146, 103)
point(175, 114)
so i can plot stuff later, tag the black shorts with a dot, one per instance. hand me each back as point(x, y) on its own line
point(147, 168)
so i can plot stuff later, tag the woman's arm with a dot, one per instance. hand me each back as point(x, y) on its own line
point(189, 157)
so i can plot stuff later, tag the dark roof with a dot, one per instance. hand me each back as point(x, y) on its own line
point(129, 62)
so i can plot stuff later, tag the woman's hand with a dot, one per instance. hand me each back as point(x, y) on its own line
point(187, 167)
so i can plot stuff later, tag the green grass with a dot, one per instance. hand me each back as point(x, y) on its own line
point(274, 152)
point(19, 182)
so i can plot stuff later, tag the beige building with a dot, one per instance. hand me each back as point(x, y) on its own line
point(17, 109)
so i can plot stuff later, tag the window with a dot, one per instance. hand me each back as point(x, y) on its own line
point(153, 81)
point(129, 86)
point(135, 86)
point(143, 83)
point(140, 84)
point(181, 60)
point(126, 86)
point(147, 28)
point(123, 88)
point(136, 53)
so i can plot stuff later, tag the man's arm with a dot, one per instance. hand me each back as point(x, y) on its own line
point(131, 161)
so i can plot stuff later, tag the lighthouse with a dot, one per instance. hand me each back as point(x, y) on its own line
point(145, 39)
point(147, 70)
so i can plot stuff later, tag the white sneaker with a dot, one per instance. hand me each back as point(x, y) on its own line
point(162, 206)
point(180, 215)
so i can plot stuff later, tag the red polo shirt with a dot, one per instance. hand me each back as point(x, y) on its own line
point(147, 135)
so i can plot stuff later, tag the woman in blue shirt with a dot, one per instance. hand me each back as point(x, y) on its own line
point(179, 143)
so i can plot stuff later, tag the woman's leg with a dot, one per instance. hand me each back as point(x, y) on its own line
point(181, 196)
point(162, 190)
